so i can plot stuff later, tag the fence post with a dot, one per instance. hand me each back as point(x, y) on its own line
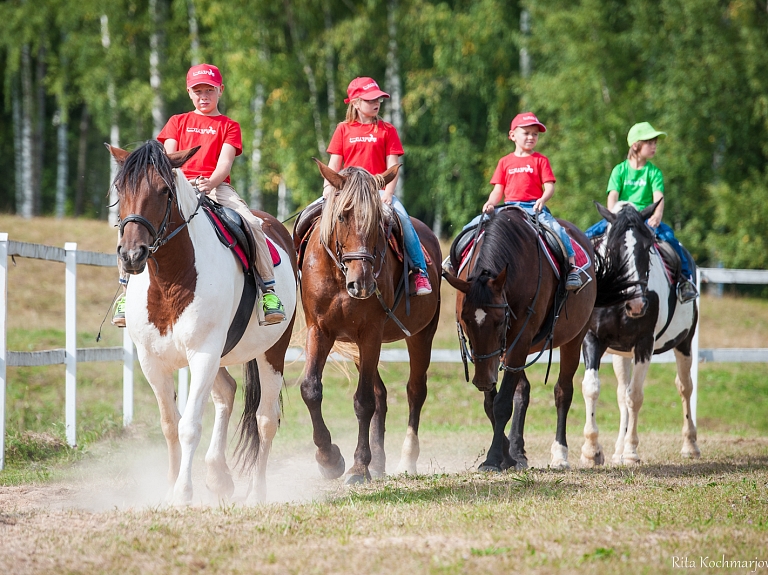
point(127, 378)
point(70, 417)
point(3, 317)
point(695, 355)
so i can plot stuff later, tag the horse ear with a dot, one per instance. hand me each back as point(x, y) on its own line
point(336, 180)
point(178, 159)
point(499, 281)
point(117, 153)
point(455, 281)
point(391, 173)
point(648, 212)
point(605, 212)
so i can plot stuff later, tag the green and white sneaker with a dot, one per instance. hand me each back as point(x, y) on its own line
point(119, 318)
point(274, 312)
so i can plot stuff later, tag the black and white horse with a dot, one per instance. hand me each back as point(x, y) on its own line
point(652, 322)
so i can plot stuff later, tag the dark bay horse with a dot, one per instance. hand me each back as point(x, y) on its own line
point(348, 261)
point(182, 297)
point(652, 321)
point(505, 293)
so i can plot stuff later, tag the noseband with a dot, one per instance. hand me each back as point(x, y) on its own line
point(159, 238)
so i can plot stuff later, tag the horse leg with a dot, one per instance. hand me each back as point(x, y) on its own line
point(502, 412)
point(162, 385)
point(622, 368)
point(378, 466)
point(569, 362)
point(203, 372)
point(634, 400)
point(419, 350)
point(328, 456)
point(685, 388)
point(519, 460)
point(365, 406)
point(219, 479)
point(592, 453)
point(489, 397)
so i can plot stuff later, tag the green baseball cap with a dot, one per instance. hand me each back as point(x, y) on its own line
point(642, 131)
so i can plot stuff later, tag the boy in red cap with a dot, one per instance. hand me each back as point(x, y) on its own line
point(221, 141)
point(366, 141)
point(524, 178)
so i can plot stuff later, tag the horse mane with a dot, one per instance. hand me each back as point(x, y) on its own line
point(628, 218)
point(503, 243)
point(361, 193)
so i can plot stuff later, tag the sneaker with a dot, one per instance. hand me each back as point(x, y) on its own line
point(573, 281)
point(274, 312)
point(421, 282)
point(119, 318)
point(686, 291)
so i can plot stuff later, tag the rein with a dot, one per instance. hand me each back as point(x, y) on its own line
point(159, 239)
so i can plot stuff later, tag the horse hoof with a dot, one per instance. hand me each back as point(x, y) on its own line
point(592, 462)
point(333, 472)
point(561, 465)
point(354, 480)
point(691, 453)
point(377, 473)
point(489, 468)
point(521, 465)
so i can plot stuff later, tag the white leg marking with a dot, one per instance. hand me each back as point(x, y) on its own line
point(635, 396)
point(622, 368)
point(410, 453)
point(591, 451)
point(685, 388)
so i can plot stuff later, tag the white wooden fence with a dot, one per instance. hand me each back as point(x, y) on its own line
point(71, 355)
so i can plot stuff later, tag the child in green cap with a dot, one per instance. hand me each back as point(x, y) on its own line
point(638, 181)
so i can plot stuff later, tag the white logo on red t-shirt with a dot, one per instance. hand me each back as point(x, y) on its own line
point(521, 170)
point(363, 139)
point(208, 131)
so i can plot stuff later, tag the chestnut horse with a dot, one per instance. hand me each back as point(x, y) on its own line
point(346, 262)
point(179, 307)
point(652, 321)
point(504, 302)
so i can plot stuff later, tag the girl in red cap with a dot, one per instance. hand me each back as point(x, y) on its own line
point(366, 141)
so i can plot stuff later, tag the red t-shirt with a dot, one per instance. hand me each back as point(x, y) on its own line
point(210, 132)
point(366, 145)
point(523, 178)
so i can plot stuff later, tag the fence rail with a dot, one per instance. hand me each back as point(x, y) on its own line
point(71, 355)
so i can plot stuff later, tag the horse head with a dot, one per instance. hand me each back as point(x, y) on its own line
point(629, 239)
point(485, 317)
point(146, 188)
point(350, 224)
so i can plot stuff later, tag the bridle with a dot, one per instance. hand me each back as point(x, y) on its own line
point(159, 237)
point(340, 258)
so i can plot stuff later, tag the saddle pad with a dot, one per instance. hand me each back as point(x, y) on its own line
point(273, 252)
point(667, 268)
point(395, 245)
point(233, 245)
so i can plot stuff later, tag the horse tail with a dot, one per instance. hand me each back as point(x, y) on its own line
point(613, 279)
point(247, 450)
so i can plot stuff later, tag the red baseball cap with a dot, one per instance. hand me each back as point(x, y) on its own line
point(365, 88)
point(204, 74)
point(527, 119)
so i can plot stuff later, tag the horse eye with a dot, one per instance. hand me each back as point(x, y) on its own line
point(341, 219)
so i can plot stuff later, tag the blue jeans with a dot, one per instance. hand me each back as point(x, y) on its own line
point(410, 237)
point(664, 233)
point(545, 217)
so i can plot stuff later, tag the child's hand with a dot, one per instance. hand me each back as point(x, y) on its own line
point(539, 205)
point(488, 208)
point(654, 221)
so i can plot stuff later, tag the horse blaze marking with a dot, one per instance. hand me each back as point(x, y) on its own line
point(480, 316)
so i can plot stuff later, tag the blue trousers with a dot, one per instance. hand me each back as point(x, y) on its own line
point(545, 217)
point(410, 237)
point(664, 233)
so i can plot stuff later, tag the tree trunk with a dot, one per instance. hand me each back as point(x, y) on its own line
point(39, 137)
point(18, 157)
point(302, 56)
point(114, 131)
point(282, 200)
point(194, 34)
point(394, 110)
point(25, 209)
point(525, 31)
point(330, 71)
point(255, 199)
point(62, 157)
point(82, 148)
point(156, 41)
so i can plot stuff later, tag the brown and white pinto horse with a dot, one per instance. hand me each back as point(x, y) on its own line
point(346, 262)
point(179, 309)
point(504, 300)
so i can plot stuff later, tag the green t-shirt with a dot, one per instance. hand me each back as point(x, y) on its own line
point(636, 186)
